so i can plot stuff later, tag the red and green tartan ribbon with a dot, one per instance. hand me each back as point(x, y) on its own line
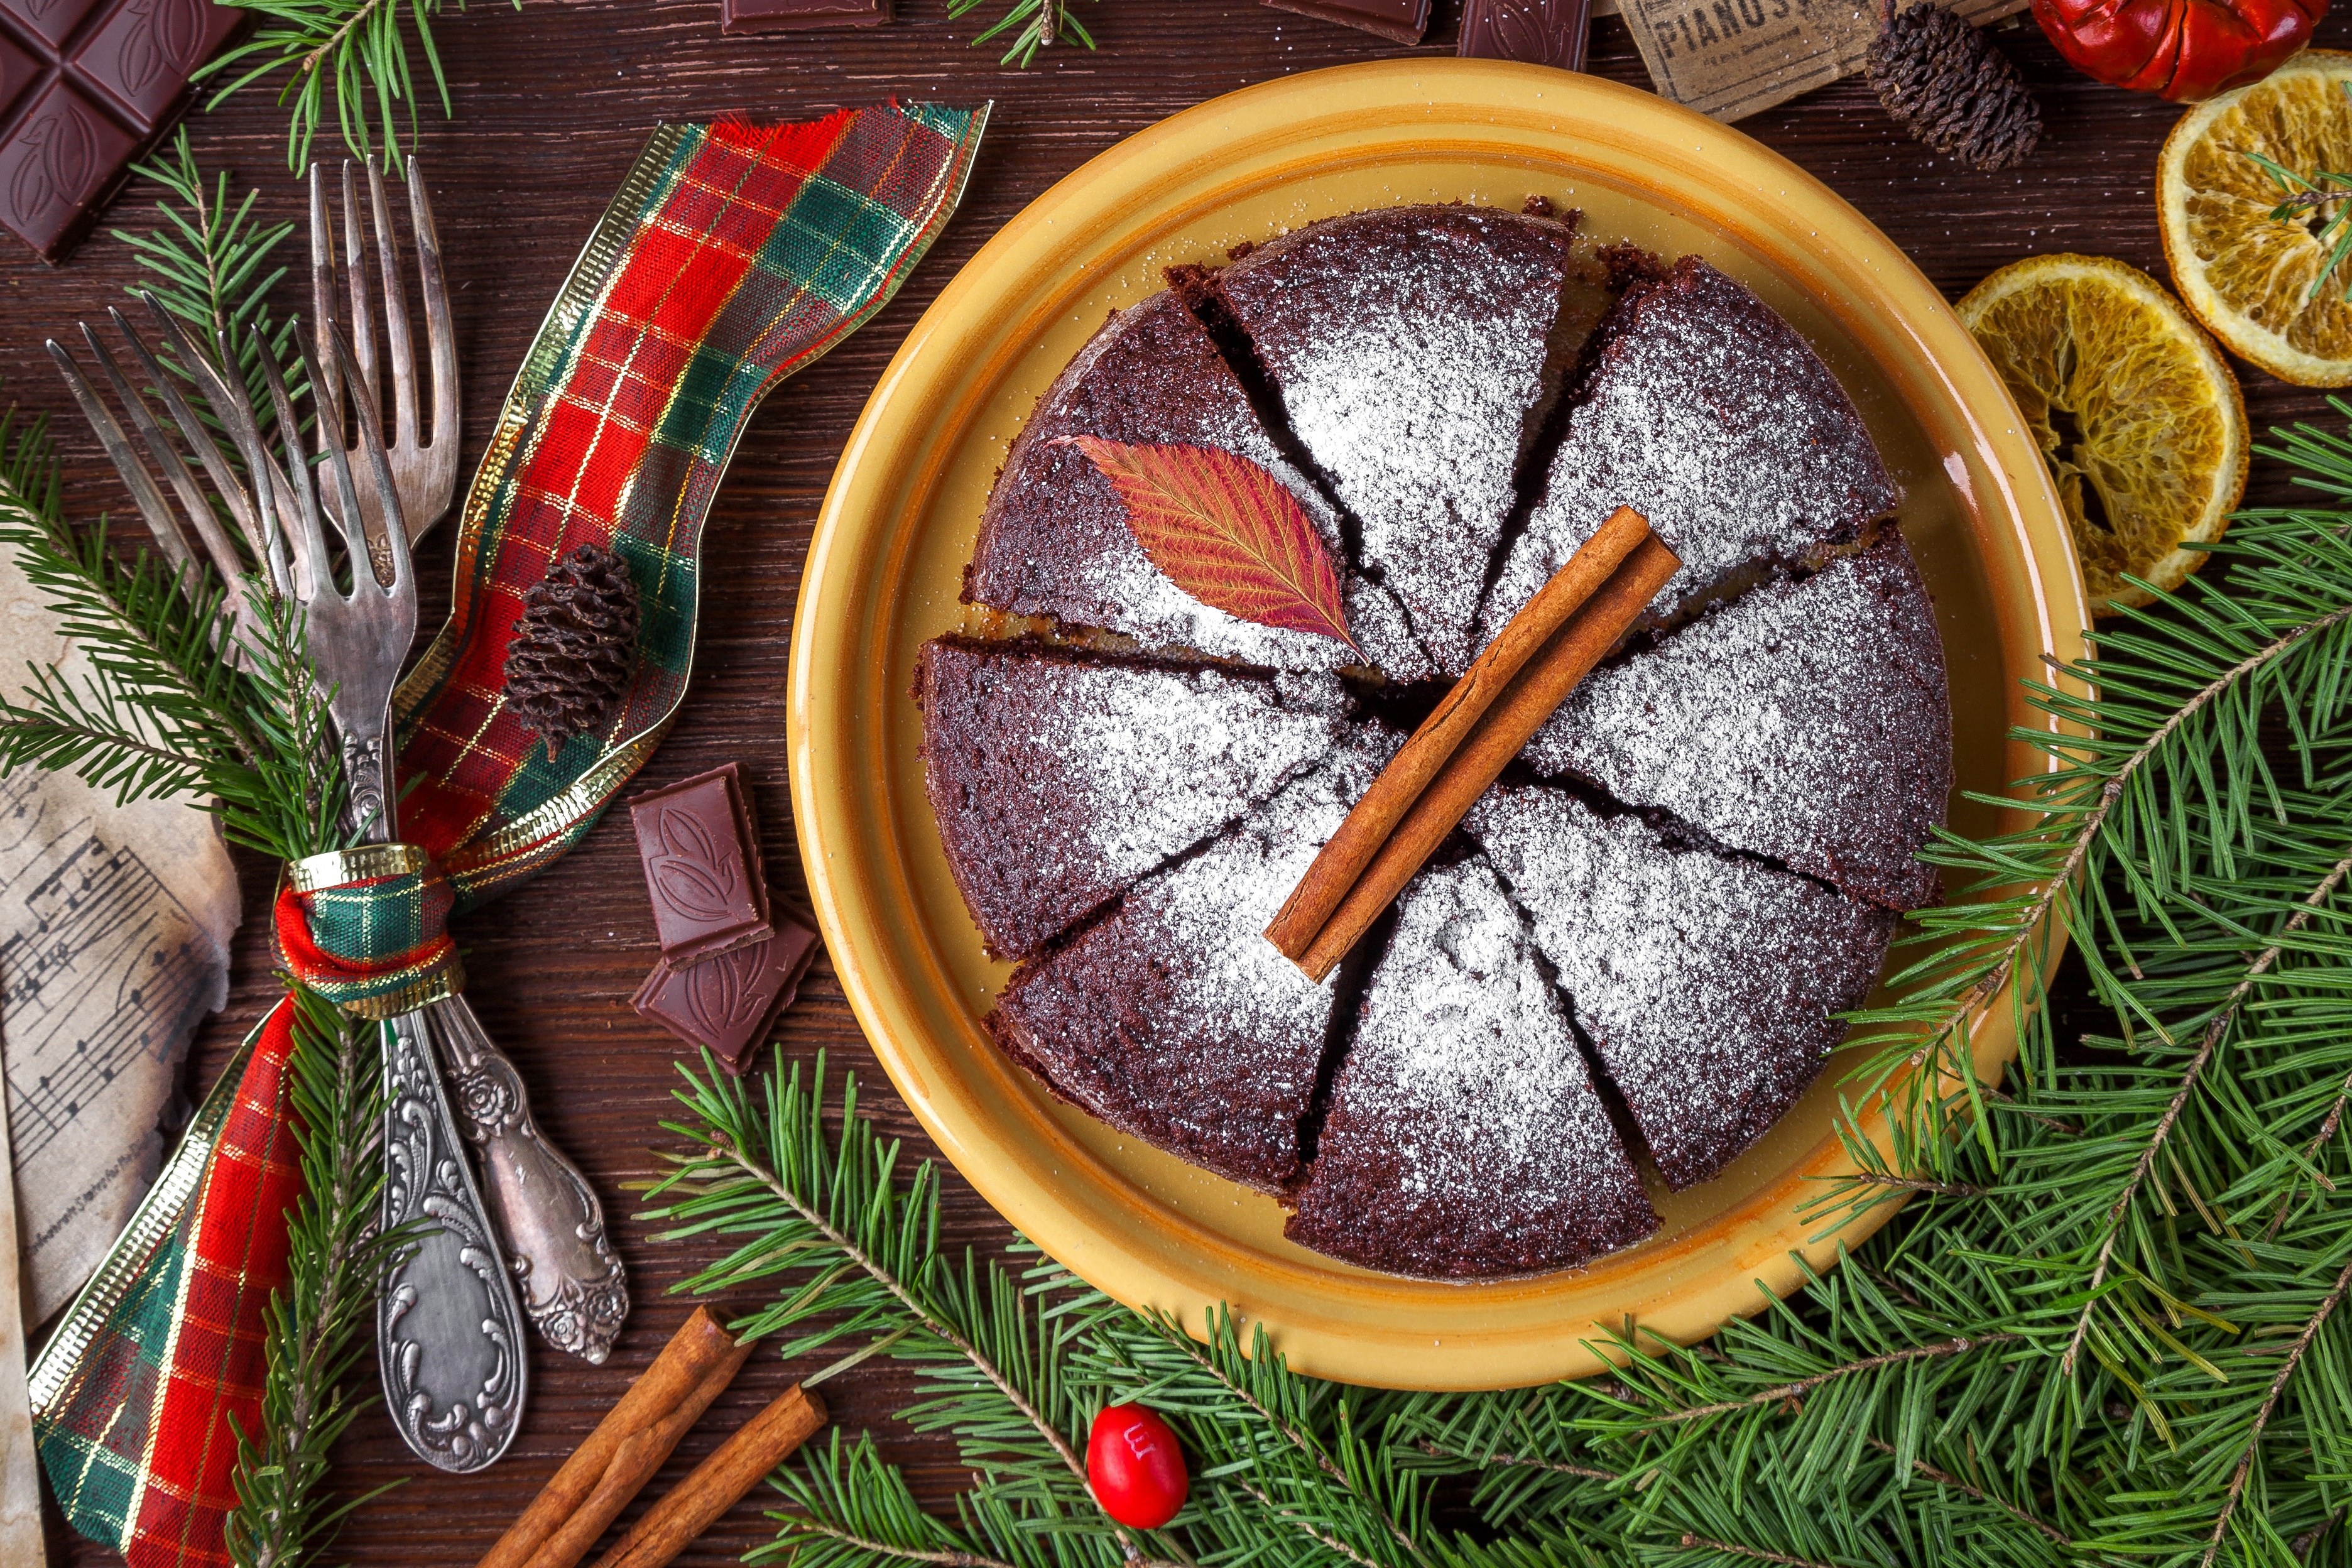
point(732, 257)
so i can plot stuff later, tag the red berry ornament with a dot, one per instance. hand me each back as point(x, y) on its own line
point(2185, 50)
point(1135, 1467)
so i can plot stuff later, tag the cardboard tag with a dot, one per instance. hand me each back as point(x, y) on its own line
point(1730, 59)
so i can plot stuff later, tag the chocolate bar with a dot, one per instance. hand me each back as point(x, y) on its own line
point(1401, 20)
point(730, 1003)
point(86, 87)
point(1538, 32)
point(780, 15)
point(700, 847)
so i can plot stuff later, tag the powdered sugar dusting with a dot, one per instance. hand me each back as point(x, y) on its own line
point(1711, 416)
point(1409, 348)
point(1465, 1136)
point(1807, 721)
point(1706, 983)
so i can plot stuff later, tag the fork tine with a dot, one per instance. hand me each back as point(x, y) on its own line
point(360, 320)
point(141, 484)
point(200, 442)
point(314, 572)
point(399, 356)
point(395, 530)
point(228, 405)
point(441, 337)
point(165, 457)
point(395, 527)
point(349, 519)
point(322, 295)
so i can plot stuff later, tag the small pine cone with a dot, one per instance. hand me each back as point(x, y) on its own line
point(573, 649)
point(1945, 83)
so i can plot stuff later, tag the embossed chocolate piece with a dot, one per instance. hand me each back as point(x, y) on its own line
point(85, 86)
point(779, 16)
point(1537, 32)
point(700, 847)
point(728, 1003)
point(1404, 21)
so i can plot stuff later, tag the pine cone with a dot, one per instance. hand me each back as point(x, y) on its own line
point(573, 646)
point(1945, 83)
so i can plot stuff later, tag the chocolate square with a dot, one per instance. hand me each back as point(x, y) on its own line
point(142, 53)
point(1404, 21)
point(1537, 32)
point(51, 21)
point(782, 16)
point(700, 848)
point(60, 159)
point(18, 71)
point(730, 1003)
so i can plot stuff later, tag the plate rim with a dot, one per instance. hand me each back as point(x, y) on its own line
point(1252, 115)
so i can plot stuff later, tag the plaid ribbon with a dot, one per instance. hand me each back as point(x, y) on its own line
point(732, 257)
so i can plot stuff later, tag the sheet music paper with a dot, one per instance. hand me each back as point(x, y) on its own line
point(20, 1471)
point(114, 932)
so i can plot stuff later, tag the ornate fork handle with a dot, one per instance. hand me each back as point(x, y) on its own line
point(572, 1281)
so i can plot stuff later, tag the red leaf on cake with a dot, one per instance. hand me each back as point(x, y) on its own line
point(1226, 532)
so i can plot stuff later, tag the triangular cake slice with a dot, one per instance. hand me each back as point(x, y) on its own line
point(1711, 416)
point(1416, 351)
point(1465, 1139)
point(1807, 721)
point(1055, 541)
point(1059, 776)
point(1173, 1017)
point(1707, 984)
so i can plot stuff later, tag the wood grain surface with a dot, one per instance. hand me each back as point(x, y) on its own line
point(551, 103)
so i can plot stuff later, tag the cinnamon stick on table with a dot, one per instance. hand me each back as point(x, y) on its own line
point(1527, 671)
point(719, 1482)
point(615, 1461)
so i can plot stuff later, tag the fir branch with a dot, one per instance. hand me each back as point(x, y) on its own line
point(1514, 1461)
point(210, 264)
point(2214, 1032)
point(1322, 1538)
point(1033, 25)
point(1945, 1478)
point(1789, 1392)
point(323, 1322)
point(359, 52)
point(2245, 1465)
point(885, 1549)
point(1711, 1544)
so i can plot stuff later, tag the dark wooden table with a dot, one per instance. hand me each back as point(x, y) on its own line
point(551, 103)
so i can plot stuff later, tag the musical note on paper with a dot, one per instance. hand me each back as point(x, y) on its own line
point(114, 932)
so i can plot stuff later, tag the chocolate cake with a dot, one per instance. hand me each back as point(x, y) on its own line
point(1807, 721)
point(1464, 1138)
point(1707, 983)
point(1054, 541)
point(1416, 351)
point(1172, 1018)
point(1709, 416)
point(1058, 779)
point(1636, 949)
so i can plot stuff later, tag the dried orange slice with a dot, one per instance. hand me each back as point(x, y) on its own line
point(2247, 275)
point(2136, 412)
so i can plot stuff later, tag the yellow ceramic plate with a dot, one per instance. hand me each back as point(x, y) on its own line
point(898, 525)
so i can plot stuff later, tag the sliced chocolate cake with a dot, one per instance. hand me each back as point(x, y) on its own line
point(1055, 540)
point(1711, 416)
point(1173, 1017)
point(1464, 1138)
point(1058, 778)
point(1807, 721)
point(1416, 351)
point(1707, 983)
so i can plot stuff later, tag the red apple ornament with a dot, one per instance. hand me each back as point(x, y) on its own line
point(1135, 1467)
point(2183, 49)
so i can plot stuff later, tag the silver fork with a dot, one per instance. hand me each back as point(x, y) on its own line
point(573, 1285)
point(425, 475)
point(449, 1326)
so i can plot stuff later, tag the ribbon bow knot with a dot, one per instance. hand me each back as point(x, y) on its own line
point(368, 929)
